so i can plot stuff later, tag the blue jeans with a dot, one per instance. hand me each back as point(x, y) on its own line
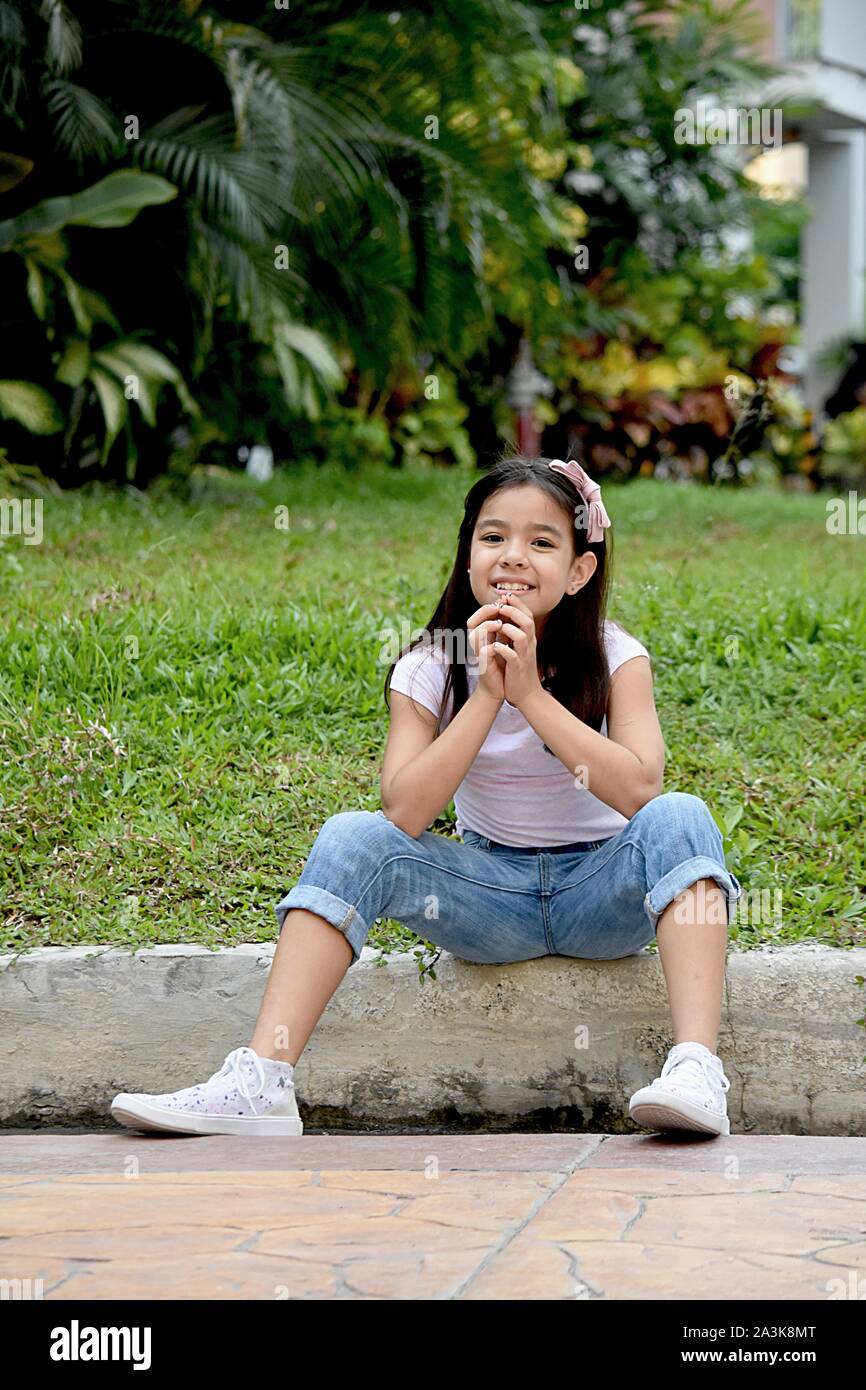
point(495, 904)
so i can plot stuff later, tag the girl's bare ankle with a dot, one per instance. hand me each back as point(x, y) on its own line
point(272, 1054)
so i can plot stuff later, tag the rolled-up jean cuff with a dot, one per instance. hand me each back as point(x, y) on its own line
point(340, 914)
point(684, 876)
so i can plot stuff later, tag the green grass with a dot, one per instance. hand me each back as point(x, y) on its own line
point(187, 692)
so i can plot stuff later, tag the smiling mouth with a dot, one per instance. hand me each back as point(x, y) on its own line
point(513, 588)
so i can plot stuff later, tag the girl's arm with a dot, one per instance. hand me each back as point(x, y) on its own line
point(420, 773)
point(624, 769)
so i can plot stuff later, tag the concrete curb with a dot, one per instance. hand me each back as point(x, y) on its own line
point(554, 1043)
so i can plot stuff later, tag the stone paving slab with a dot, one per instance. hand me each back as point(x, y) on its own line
point(481, 1217)
point(40, 1152)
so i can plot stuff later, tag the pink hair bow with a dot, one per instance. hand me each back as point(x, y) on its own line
point(591, 494)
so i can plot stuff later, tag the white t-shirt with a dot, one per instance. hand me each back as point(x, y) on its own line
point(515, 792)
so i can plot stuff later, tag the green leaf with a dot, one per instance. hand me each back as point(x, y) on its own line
point(74, 363)
point(13, 168)
point(143, 360)
point(114, 201)
point(96, 307)
point(113, 403)
point(49, 251)
point(83, 321)
point(131, 453)
point(315, 349)
point(289, 373)
point(111, 359)
point(125, 356)
point(731, 819)
point(31, 406)
point(36, 288)
point(309, 400)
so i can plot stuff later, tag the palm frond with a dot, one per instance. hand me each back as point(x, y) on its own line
point(324, 140)
point(83, 126)
point(13, 71)
point(231, 186)
point(63, 45)
point(249, 273)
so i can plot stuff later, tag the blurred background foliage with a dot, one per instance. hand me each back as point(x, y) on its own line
point(328, 233)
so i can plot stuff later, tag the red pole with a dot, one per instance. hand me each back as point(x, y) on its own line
point(528, 433)
point(524, 385)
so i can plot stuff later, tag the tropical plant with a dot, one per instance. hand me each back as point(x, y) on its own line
point(656, 311)
point(844, 445)
point(364, 191)
point(114, 372)
point(354, 222)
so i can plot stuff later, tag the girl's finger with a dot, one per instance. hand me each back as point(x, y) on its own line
point(486, 630)
point(516, 612)
point(512, 630)
point(478, 616)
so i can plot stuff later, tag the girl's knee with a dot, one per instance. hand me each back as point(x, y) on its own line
point(342, 822)
point(352, 828)
point(680, 808)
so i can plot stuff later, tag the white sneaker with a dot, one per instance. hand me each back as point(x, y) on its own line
point(248, 1095)
point(689, 1094)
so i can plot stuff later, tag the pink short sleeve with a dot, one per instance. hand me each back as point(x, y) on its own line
point(420, 675)
point(621, 646)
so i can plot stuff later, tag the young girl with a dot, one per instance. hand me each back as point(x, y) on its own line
point(524, 703)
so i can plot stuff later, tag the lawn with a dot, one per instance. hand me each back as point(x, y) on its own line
point(188, 690)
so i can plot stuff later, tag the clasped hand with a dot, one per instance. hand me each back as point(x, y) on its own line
point(520, 659)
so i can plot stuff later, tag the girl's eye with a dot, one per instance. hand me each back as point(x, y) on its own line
point(492, 536)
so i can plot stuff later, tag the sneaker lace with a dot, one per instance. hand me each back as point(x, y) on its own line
point(694, 1071)
point(234, 1064)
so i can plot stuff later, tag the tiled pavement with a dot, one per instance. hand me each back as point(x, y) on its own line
point(434, 1216)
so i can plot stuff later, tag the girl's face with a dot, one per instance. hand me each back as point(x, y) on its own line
point(522, 536)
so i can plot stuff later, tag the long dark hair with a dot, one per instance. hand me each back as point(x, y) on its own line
point(571, 648)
